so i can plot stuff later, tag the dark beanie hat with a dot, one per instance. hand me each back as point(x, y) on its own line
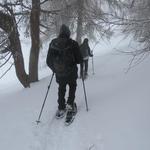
point(64, 31)
point(86, 40)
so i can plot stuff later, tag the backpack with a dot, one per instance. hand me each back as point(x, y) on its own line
point(62, 57)
point(84, 50)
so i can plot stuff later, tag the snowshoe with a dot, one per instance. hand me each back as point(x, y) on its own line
point(85, 76)
point(60, 113)
point(71, 112)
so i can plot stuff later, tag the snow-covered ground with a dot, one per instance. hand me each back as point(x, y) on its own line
point(118, 117)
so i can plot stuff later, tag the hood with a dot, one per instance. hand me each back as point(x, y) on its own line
point(64, 31)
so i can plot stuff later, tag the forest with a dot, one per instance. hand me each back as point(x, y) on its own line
point(41, 19)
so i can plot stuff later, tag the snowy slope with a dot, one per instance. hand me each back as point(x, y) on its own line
point(118, 117)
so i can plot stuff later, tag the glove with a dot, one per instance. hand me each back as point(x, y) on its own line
point(91, 55)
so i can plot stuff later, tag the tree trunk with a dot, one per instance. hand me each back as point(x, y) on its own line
point(8, 24)
point(80, 21)
point(35, 40)
point(18, 59)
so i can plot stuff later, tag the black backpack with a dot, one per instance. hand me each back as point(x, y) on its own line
point(62, 56)
point(84, 50)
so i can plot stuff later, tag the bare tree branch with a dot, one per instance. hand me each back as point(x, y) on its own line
point(6, 60)
point(46, 27)
point(6, 71)
point(50, 11)
point(26, 12)
point(44, 1)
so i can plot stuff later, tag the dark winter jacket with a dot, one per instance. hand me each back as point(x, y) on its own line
point(65, 34)
point(85, 50)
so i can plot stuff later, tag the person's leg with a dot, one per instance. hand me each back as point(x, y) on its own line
point(72, 90)
point(71, 105)
point(61, 95)
point(81, 70)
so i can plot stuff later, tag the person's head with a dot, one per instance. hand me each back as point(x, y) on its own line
point(64, 31)
point(86, 40)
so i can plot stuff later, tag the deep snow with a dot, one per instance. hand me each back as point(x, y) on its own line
point(118, 117)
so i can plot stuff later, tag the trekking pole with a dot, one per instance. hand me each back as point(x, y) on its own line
point(85, 95)
point(93, 65)
point(38, 121)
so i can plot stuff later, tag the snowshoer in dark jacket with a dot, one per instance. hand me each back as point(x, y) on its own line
point(68, 77)
point(86, 53)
